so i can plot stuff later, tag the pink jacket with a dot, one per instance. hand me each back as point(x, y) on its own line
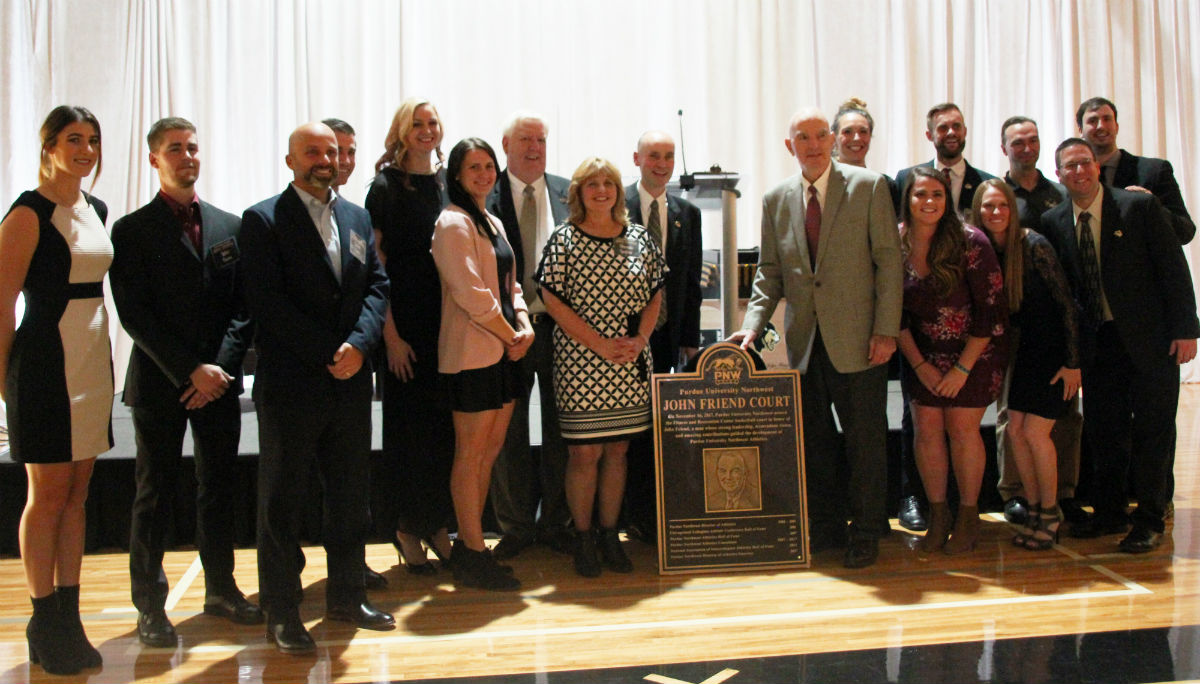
point(466, 264)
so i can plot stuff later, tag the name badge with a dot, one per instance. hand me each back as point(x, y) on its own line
point(358, 248)
point(225, 253)
point(627, 247)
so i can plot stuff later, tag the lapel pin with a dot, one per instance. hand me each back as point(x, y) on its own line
point(1118, 233)
point(678, 224)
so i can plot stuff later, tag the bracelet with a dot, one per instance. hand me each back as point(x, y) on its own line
point(961, 368)
point(923, 362)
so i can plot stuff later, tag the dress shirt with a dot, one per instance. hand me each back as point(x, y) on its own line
point(321, 213)
point(545, 226)
point(646, 199)
point(189, 218)
point(1094, 223)
point(957, 172)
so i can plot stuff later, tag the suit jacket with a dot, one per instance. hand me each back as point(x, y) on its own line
point(681, 293)
point(500, 204)
point(1157, 176)
point(856, 291)
point(302, 313)
point(182, 308)
point(1142, 270)
point(972, 177)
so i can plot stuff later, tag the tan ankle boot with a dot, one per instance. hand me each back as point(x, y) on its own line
point(939, 528)
point(966, 530)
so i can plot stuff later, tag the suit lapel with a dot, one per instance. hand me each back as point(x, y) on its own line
point(306, 231)
point(1111, 236)
point(835, 192)
point(795, 204)
point(345, 231)
point(674, 226)
point(633, 203)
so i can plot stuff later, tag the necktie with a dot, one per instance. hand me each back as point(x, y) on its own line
point(812, 225)
point(654, 226)
point(1090, 265)
point(528, 222)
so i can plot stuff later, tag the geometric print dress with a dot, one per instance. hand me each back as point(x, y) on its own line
point(606, 282)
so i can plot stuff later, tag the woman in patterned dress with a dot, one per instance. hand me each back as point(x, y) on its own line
point(57, 370)
point(601, 279)
point(951, 335)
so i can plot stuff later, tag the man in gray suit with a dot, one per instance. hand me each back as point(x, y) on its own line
point(831, 249)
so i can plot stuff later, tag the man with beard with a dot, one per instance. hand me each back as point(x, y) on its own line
point(1097, 121)
point(946, 129)
point(318, 295)
point(177, 282)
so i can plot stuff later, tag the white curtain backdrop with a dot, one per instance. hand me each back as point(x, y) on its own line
point(248, 71)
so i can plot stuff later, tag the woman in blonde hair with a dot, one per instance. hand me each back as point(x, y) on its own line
point(951, 334)
point(1044, 373)
point(405, 199)
point(601, 279)
point(57, 370)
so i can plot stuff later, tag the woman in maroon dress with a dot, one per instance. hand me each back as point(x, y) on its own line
point(954, 317)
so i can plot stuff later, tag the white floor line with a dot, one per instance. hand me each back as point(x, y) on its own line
point(183, 584)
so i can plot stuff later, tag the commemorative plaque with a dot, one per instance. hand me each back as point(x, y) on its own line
point(729, 464)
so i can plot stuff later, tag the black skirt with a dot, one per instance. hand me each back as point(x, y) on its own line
point(483, 389)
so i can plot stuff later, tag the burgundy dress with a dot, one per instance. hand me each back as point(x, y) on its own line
point(940, 326)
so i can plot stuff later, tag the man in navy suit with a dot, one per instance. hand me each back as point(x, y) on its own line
point(1138, 326)
point(946, 129)
point(1097, 121)
point(177, 282)
point(318, 295)
point(675, 224)
point(527, 491)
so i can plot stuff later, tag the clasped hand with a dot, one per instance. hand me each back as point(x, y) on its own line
point(521, 344)
point(208, 383)
point(620, 349)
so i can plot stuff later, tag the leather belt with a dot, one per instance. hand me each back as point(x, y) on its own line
point(85, 290)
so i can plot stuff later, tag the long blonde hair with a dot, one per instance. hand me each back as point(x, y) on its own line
point(1014, 240)
point(394, 145)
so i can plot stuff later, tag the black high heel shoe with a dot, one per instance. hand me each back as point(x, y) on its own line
point(1046, 534)
point(444, 560)
point(426, 568)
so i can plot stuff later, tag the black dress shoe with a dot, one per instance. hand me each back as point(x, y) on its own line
point(154, 629)
point(510, 545)
point(910, 515)
point(290, 636)
point(1016, 510)
point(1072, 511)
point(1140, 540)
point(373, 580)
point(861, 552)
point(1098, 527)
point(233, 607)
point(362, 615)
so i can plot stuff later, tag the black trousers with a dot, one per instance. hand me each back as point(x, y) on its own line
point(846, 473)
point(159, 430)
point(329, 429)
point(521, 482)
point(1129, 423)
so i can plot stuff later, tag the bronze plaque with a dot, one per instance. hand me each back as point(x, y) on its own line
point(729, 463)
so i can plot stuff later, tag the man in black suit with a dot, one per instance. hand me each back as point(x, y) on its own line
point(675, 223)
point(177, 282)
point(531, 203)
point(946, 129)
point(1138, 326)
point(1097, 121)
point(318, 296)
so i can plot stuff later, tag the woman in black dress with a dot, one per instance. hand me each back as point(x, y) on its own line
point(57, 372)
point(405, 199)
point(1044, 372)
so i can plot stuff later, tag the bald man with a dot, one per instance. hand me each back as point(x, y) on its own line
point(318, 294)
point(831, 249)
point(675, 224)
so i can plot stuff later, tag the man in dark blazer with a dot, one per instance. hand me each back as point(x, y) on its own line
point(1139, 325)
point(318, 295)
point(946, 129)
point(530, 203)
point(1097, 121)
point(177, 282)
point(831, 249)
point(676, 338)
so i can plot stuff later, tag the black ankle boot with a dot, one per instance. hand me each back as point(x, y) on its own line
point(478, 569)
point(68, 610)
point(611, 552)
point(48, 644)
point(587, 560)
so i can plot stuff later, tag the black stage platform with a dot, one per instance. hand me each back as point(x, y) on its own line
point(112, 488)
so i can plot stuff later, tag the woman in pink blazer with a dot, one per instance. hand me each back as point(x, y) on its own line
point(485, 329)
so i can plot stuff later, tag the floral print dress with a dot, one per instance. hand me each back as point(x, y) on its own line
point(940, 326)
